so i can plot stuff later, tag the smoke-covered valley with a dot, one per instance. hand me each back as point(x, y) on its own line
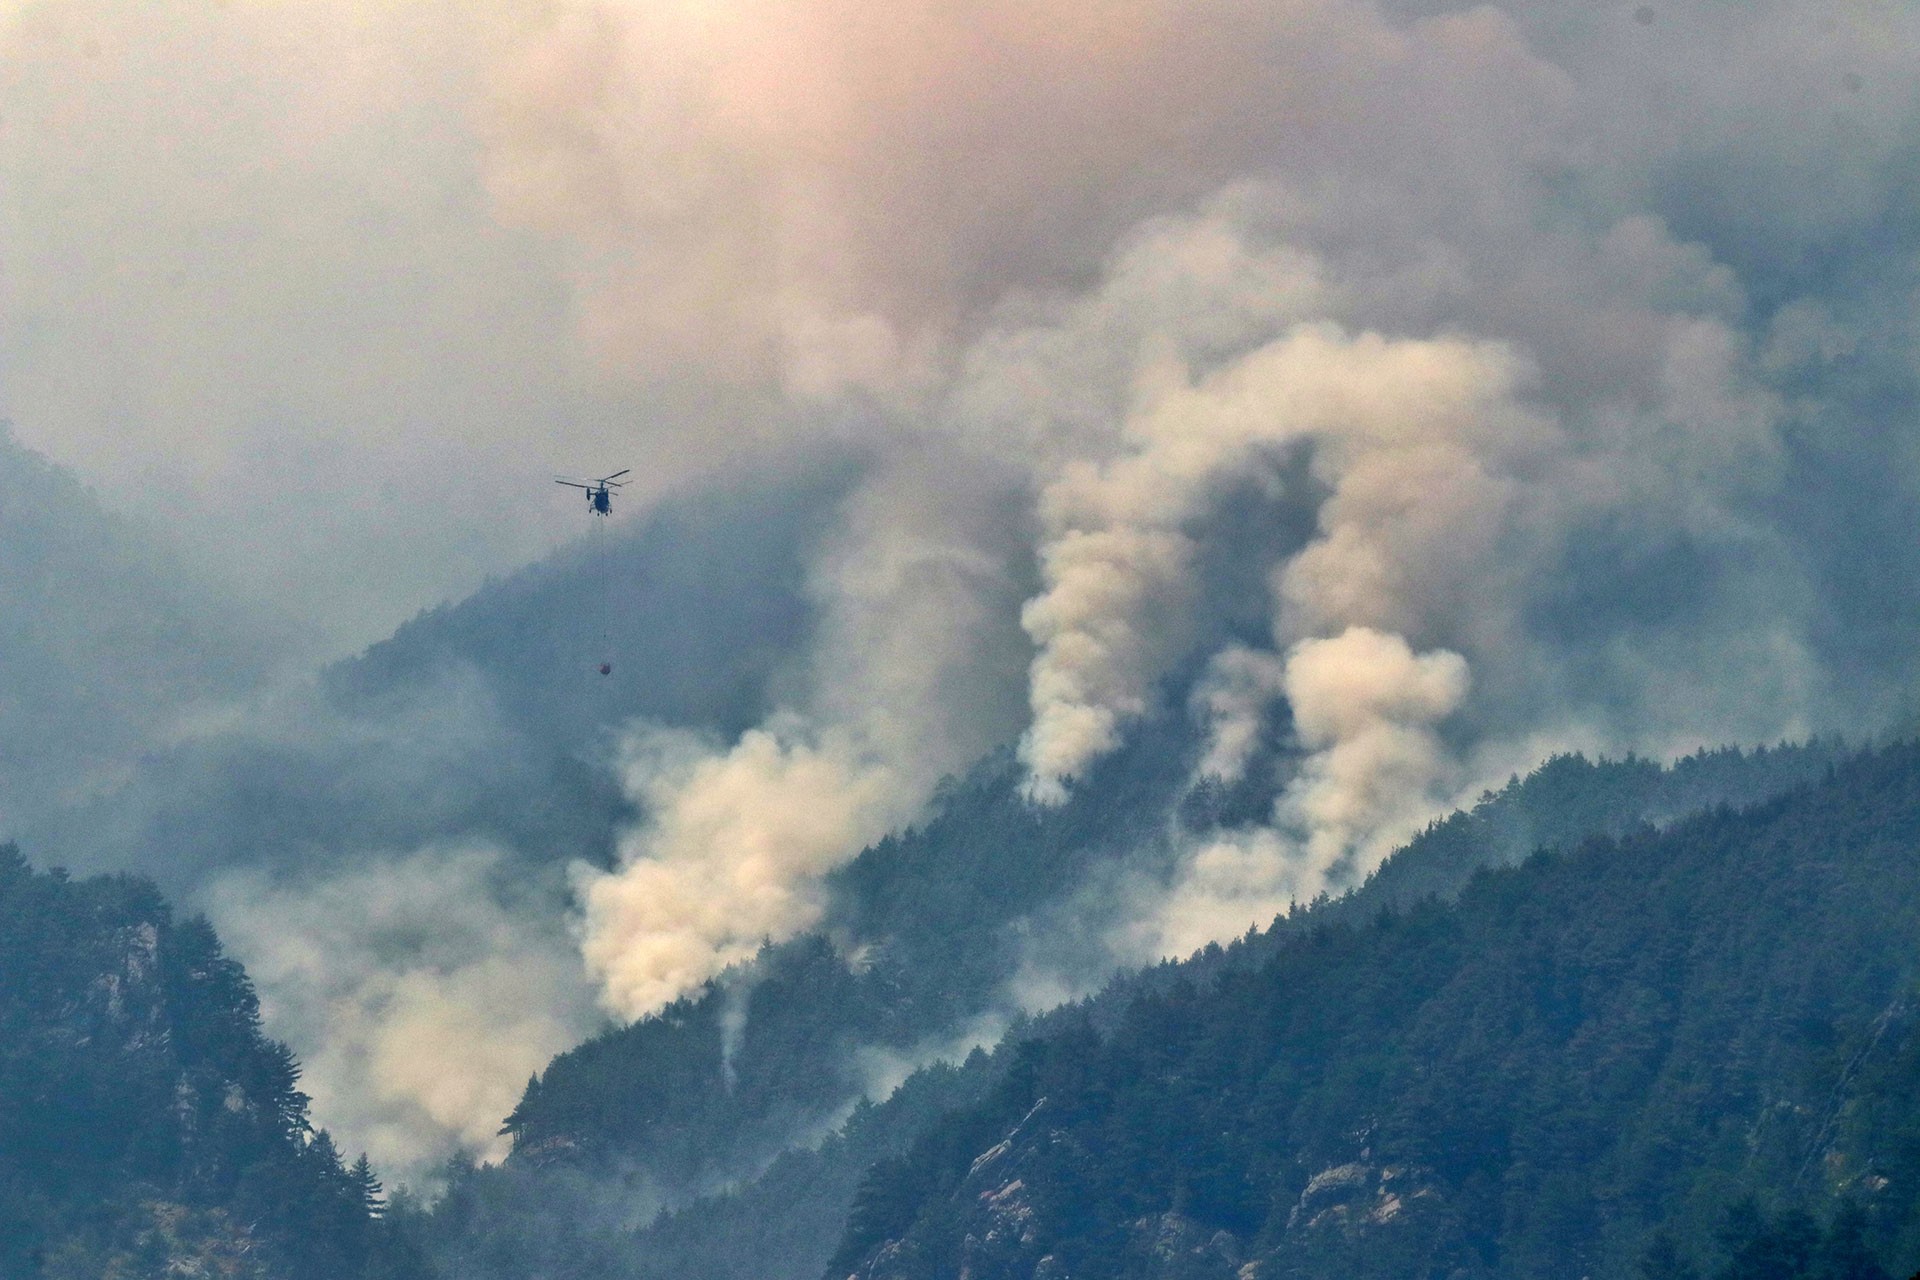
point(1209, 440)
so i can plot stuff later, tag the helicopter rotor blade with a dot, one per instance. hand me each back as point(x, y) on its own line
point(615, 476)
point(573, 484)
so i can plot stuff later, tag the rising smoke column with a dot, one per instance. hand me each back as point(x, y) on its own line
point(251, 241)
point(730, 855)
point(1419, 444)
point(1137, 256)
point(1365, 707)
point(1455, 475)
point(915, 603)
point(839, 201)
point(1397, 427)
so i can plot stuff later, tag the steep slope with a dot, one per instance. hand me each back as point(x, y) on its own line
point(1588, 1057)
point(694, 603)
point(453, 774)
point(487, 720)
point(146, 1125)
point(1569, 799)
point(938, 915)
point(939, 919)
point(921, 940)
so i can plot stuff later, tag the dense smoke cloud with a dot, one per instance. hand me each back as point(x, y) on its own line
point(1394, 427)
point(423, 990)
point(1581, 347)
point(915, 597)
point(1365, 710)
point(827, 194)
point(1233, 699)
point(385, 846)
point(1365, 704)
point(730, 855)
point(1454, 476)
point(1155, 254)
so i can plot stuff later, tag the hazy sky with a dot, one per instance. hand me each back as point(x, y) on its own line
point(331, 288)
point(253, 288)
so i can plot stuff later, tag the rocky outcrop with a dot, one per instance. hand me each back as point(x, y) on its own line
point(1358, 1194)
point(995, 1209)
point(1002, 1226)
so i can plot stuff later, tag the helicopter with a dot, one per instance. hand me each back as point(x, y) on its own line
point(599, 492)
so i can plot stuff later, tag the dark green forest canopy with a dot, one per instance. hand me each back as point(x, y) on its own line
point(146, 1122)
point(941, 913)
point(943, 910)
point(1604, 1050)
point(147, 1127)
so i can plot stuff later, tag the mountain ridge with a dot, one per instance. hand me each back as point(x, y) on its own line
point(1594, 1048)
point(686, 1043)
point(145, 1120)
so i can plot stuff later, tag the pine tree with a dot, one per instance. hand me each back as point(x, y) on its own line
point(368, 1186)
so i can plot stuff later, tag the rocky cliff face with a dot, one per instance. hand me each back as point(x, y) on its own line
point(1359, 1204)
point(994, 1202)
point(147, 1127)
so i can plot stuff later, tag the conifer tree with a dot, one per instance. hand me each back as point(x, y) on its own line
point(368, 1186)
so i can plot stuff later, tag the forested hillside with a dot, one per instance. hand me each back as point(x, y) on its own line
point(713, 1089)
point(705, 1095)
point(933, 913)
point(1676, 1052)
point(147, 1127)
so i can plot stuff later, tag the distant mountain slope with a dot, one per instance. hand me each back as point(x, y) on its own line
point(486, 720)
point(938, 915)
point(1581, 1065)
point(934, 914)
point(470, 759)
point(695, 604)
point(105, 639)
point(146, 1126)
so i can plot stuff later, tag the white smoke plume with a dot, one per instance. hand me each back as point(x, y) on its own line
point(1366, 708)
point(1120, 263)
point(916, 599)
point(918, 594)
point(1099, 651)
point(729, 856)
point(418, 995)
point(1365, 704)
point(1234, 699)
point(1064, 275)
point(884, 1069)
point(1444, 490)
point(733, 1030)
point(1409, 435)
point(1453, 473)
